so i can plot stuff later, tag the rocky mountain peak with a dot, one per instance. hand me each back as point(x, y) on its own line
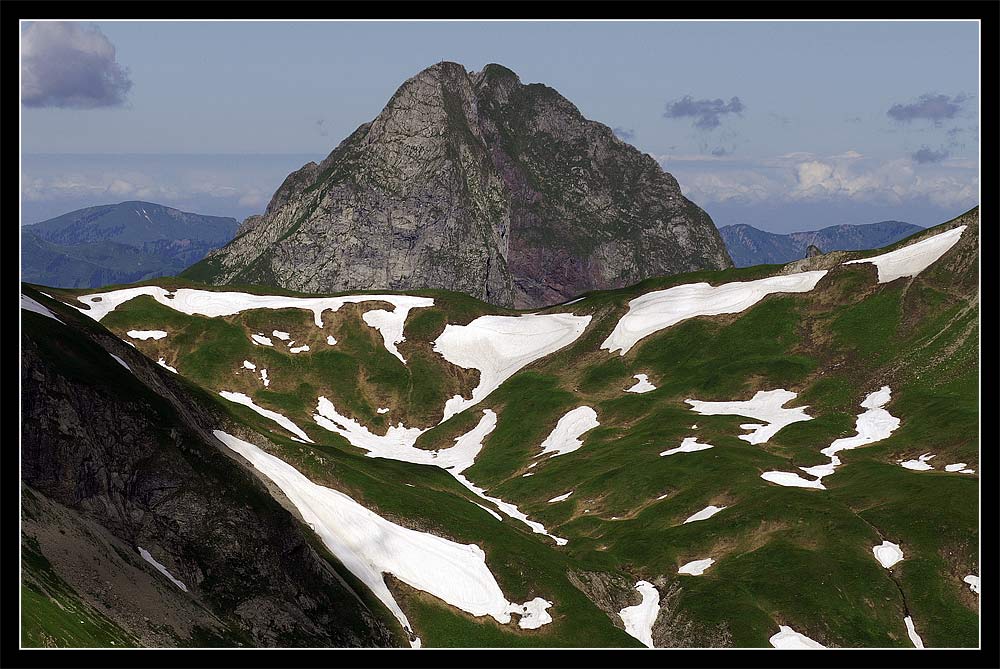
point(473, 181)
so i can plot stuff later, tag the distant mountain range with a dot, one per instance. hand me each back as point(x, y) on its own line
point(749, 246)
point(118, 243)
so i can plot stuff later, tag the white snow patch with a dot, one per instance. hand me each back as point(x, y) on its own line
point(249, 365)
point(146, 334)
point(499, 346)
point(217, 303)
point(261, 339)
point(766, 405)
point(689, 445)
point(160, 568)
point(913, 259)
point(398, 444)
point(299, 349)
point(120, 361)
point(370, 546)
point(163, 363)
point(967, 471)
point(696, 567)
point(565, 436)
point(704, 514)
point(263, 377)
point(37, 307)
point(489, 511)
point(874, 425)
point(281, 335)
point(789, 639)
point(662, 497)
point(791, 480)
point(240, 398)
point(958, 466)
point(639, 619)
point(382, 410)
point(887, 553)
point(973, 582)
point(331, 340)
point(642, 385)
point(911, 631)
point(663, 308)
point(524, 476)
point(920, 464)
point(560, 498)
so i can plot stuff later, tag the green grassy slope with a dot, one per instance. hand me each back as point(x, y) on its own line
point(783, 555)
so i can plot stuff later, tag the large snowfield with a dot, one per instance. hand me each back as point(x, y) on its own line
point(371, 546)
point(765, 405)
point(639, 619)
point(913, 259)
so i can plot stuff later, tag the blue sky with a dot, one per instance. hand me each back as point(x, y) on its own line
point(810, 140)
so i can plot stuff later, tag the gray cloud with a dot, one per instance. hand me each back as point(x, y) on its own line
point(320, 128)
point(70, 65)
point(720, 151)
point(925, 154)
point(624, 134)
point(929, 106)
point(706, 113)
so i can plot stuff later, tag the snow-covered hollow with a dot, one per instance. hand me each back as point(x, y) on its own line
point(913, 259)
point(559, 498)
point(370, 546)
point(887, 553)
point(661, 309)
point(765, 405)
point(696, 567)
point(639, 619)
point(160, 568)
point(973, 582)
point(689, 445)
point(565, 436)
point(261, 339)
point(642, 385)
point(218, 303)
point(704, 514)
point(146, 334)
point(789, 639)
point(240, 398)
point(911, 632)
point(35, 306)
point(499, 346)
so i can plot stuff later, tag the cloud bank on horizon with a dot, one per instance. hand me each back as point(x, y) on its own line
point(70, 65)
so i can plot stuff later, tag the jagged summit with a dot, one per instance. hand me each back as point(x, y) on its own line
point(476, 182)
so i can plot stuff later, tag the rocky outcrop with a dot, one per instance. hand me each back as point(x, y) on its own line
point(474, 182)
point(115, 459)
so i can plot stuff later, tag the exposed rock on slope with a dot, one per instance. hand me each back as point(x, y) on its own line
point(475, 182)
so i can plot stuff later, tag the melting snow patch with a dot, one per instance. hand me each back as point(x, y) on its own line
point(35, 306)
point(887, 553)
point(696, 567)
point(499, 346)
point(689, 445)
point(967, 471)
point(382, 410)
point(766, 405)
point(639, 619)
point(489, 511)
point(524, 476)
point(331, 340)
point(533, 613)
point(663, 308)
point(398, 444)
point(264, 379)
point(565, 437)
point(789, 639)
point(704, 514)
point(160, 568)
point(299, 349)
point(912, 633)
point(217, 303)
point(913, 259)
point(370, 546)
point(249, 365)
point(920, 464)
point(642, 385)
point(561, 497)
point(163, 363)
point(955, 467)
point(790, 480)
point(973, 582)
point(281, 335)
point(261, 339)
point(240, 398)
point(146, 334)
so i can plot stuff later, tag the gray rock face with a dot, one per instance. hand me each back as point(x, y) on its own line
point(475, 182)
